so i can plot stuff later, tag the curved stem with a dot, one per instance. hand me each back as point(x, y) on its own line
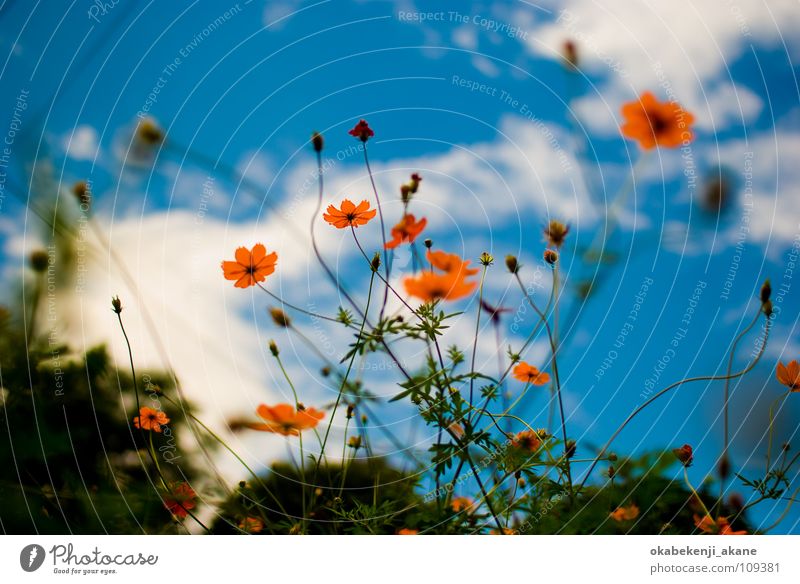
point(475, 340)
point(667, 390)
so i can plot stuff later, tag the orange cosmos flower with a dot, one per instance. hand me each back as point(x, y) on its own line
point(250, 266)
point(407, 531)
point(530, 374)
point(450, 263)
point(406, 230)
point(451, 285)
point(251, 525)
point(527, 440)
point(180, 500)
point(348, 215)
point(653, 123)
point(625, 513)
point(150, 419)
point(429, 287)
point(283, 419)
point(719, 527)
point(789, 375)
point(459, 504)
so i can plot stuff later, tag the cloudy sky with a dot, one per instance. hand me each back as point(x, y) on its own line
point(479, 102)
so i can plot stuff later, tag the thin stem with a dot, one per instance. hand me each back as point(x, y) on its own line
point(297, 308)
point(383, 231)
point(344, 378)
point(726, 405)
point(772, 428)
point(475, 340)
point(556, 376)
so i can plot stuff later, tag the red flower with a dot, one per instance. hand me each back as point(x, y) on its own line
point(685, 454)
point(406, 230)
point(362, 131)
point(180, 500)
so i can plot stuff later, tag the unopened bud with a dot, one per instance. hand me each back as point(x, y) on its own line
point(273, 348)
point(317, 142)
point(116, 304)
point(512, 264)
point(767, 307)
point(39, 261)
point(350, 409)
point(82, 193)
point(428, 243)
point(570, 54)
point(766, 291)
point(550, 256)
point(376, 262)
point(280, 318)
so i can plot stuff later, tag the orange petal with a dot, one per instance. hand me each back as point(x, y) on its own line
point(243, 256)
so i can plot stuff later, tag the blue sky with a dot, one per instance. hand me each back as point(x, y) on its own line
point(480, 103)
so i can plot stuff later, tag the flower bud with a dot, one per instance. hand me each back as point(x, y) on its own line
point(350, 409)
point(354, 442)
point(767, 308)
point(116, 304)
point(317, 142)
point(273, 348)
point(149, 133)
point(82, 193)
point(612, 457)
point(611, 471)
point(685, 454)
point(555, 233)
point(428, 243)
point(570, 54)
point(512, 264)
point(39, 260)
point(571, 448)
point(486, 259)
point(376, 262)
point(280, 318)
point(325, 371)
point(766, 291)
point(724, 467)
point(550, 256)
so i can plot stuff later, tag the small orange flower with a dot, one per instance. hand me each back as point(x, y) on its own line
point(450, 263)
point(150, 419)
point(506, 531)
point(450, 285)
point(250, 266)
point(721, 526)
point(527, 440)
point(406, 230)
point(530, 374)
point(459, 504)
point(407, 531)
point(789, 375)
point(653, 123)
point(625, 513)
point(180, 500)
point(349, 215)
point(283, 419)
point(429, 287)
point(251, 525)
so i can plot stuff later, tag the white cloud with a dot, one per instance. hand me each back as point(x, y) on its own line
point(81, 144)
point(681, 49)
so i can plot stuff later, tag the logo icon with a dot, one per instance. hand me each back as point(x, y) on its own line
point(31, 557)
